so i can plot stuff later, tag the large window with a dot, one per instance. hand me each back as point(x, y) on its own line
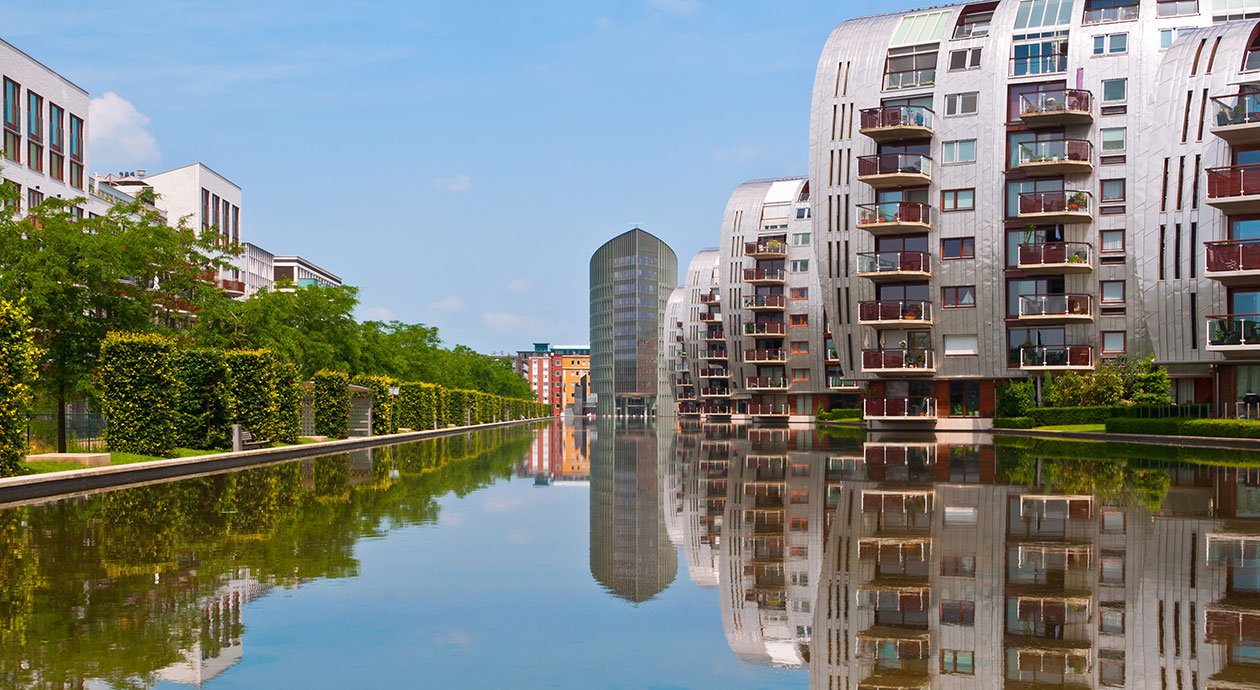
point(960, 151)
point(1028, 287)
point(1043, 13)
point(56, 142)
point(958, 296)
point(910, 66)
point(76, 152)
point(1017, 187)
point(1176, 8)
point(1019, 338)
point(1044, 54)
point(1108, 11)
point(12, 120)
point(967, 58)
point(958, 248)
point(34, 131)
point(975, 21)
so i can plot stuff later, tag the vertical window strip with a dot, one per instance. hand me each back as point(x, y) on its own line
point(1194, 184)
point(1212, 55)
point(1181, 177)
point(835, 109)
point(1194, 66)
point(1163, 190)
point(848, 317)
point(848, 66)
point(1177, 251)
point(846, 258)
point(1194, 249)
point(1185, 118)
point(839, 68)
point(1202, 111)
point(1162, 250)
point(1194, 345)
point(829, 205)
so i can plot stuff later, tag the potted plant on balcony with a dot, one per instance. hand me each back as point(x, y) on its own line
point(1076, 258)
point(913, 311)
point(1078, 202)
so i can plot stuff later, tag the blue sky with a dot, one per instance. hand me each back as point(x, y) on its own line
point(458, 161)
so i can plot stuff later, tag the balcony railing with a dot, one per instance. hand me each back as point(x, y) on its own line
point(894, 164)
point(908, 408)
point(712, 354)
point(1071, 305)
point(896, 117)
point(1044, 253)
point(686, 395)
point(842, 383)
point(771, 355)
point(910, 78)
point(1056, 102)
point(768, 275)
point(769, 409)
point(710, 317)
point(898, 358)
point(1110, 15)
point(713, 334)
point(711, 297)
point(1061, 150)
point(1038, 64)
point(1233, 255)
point(832, 355)
point(1066, 356)
point(1236, 117)
point(764, 302)
point(1233, 181)
point(684, 382)
point(765, 382)
point(761, 328)
point(232, 286)
point(895, 310)
point(891, 262)
point(1056, 201)
point(894, 213)
point(768, 248)
point(1233, 330)
point(714, 373)
point(715, 392)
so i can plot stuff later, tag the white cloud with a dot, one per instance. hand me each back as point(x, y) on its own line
point(520, 285)
point(502, 320)
point(379, 314)
point(118, 135)
point(459, 183)
point(679, 6)
point(738, 154)
point(451, 303)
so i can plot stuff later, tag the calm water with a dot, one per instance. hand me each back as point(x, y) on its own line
point(708, 556)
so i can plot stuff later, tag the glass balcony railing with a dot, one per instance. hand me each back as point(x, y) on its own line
point(764, 301)
point(1233, 255)
point(1056, 101)
point(765, 382)
point(1056, 356)
point(910, 78)
point(773, 275)
point(772, 328)
point(1053, 253)
point(899, 407)
point(894, 212)
point(1110, 15)
point(777, 247)
point(895, 310)
point(713, 334)
point(896, 116)
point(843, 383)
point(894, 163)
point(1055, 201)
point(1233, 181)
point(1038, 64)
point(898, 358)
point(1233, 330)
point(1242, 108)
point(1058, 151)
point(1065, 305)
point(885, 262)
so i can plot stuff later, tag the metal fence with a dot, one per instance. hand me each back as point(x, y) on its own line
point(83, 431)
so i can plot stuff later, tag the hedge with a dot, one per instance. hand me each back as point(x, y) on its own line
point(203, 402)
point(839, 414)
point(137, 377)
point(1014, 423)
point(456, 409)
point(255, 404)
point(382, 402)
point(1054, 416)
point(17, 371)
point(290, 390)
point(332, 403)
point(1016, 398)
point(1222, 428)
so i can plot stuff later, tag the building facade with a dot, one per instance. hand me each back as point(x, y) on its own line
point(631, 279)
point(302, 272)
point(557, 375)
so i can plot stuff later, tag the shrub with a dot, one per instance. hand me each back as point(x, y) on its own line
point(289, 393)
point(1054, 416)
point(332, 403)
point(838, 415)
point(255, 403)
point(382, 402)
point(409, 403)
point(17, 371)
point(456, 407)
point(137, 383)
point(1014, 423)
point(1223, 428)
point(1016, 398)
point(202, 399)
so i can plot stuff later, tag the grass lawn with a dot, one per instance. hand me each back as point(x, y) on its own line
point(1075, 427)
point(41, 466)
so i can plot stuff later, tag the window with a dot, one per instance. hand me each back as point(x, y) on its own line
point(1111, 570)
point(802, 213)
point(1112, 291)
point(76, 152)
point(800, 497)
point(800, 469)
point(1111, 241)
point(34, 198)
point(1109, 11)
point(1046, 54)
point(958, 248)
point(34, 131)
point(961, 151)
point(800, 374)
point(958, 613)
point(1111, 671)
point(799, 524)
point(801, 606)
point(1115, 90)
point(1113, 521)
point(801, 578)
point(1112, 190)
point(958, 200)
point(960, 515)
point(961, 103)
point(1176, 8)
point(1033, 14)
point(967, 58)
point(801, 551)
point(958, 296)
point(798, 293)
point(961, 345)
point(958, 566)
point(800, 320)
point(800, 239)
point(1113, 342)
point(910, 66)
point(799, 347)
point(974, 21)
point(799, 265)
point(1111, 621)
point(1113, 139)
point(12, 121)
point(56, 142)
point(1167, 36)
point(1111, 44)
point(954, 661)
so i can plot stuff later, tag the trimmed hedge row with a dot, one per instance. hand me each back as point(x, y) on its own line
point(1054, 416)
point(332, 403)
point(839, 415)
point(1014, 423)
point(255, 404)
point(290, 389)
point(17, 371)
point(203, 399)
point(382, 402)
point(137, 381)
point(1222, 428)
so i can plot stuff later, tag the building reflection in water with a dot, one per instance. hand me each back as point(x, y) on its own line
point(631, 553)
point(560, 454)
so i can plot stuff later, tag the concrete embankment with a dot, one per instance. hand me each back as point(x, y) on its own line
point(1150, 439)
point(32, 488)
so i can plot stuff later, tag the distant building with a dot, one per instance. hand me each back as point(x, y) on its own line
point(303, 273)
point(554, 373)
point(632, 276)
point(258, 268)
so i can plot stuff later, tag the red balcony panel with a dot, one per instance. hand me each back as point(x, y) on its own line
point(1234, 180)
point(1240, 255)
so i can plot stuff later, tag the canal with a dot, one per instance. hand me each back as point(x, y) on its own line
point(556, 556)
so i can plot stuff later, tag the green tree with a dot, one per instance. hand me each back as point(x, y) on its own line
point(17, 372)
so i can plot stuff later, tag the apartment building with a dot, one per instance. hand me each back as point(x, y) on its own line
point(695, 344)
point(302, 272)
point(555, 374)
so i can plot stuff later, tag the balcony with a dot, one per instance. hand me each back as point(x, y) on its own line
point(686, 395)
point(1057, 308)
point(1056, 357)
point(1062, 157)
point(766, 383)
point(765, 276)
point(1110, 15)
point(714, 373)
point(765, 302)
point(1236, 118)
point(894, 313)
point(1055, 257)
point(771, 328)
point(896, 123)
point(764, 356)
point(840, 383)
point(1233, 333)
point(904, 361)
point(710, 298)
point(713, 335)
point(715, 392)
point(832, 355)
point(880, 266)
point(684, 382)
point(769, 409)
point(1234, 189)
point(768, 249)
point(894, 217)
point(1233, 262)
point(1059, 206)
point(710, 317)
point(893, 170)
point(899, 409)
point(232, 288)
point(716, 353)
point(1057, 108)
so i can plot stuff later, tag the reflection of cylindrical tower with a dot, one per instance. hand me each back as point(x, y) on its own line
point(631, 555)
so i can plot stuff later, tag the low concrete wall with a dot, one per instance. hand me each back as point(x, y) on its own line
point(32, 488)
point(1149, 439)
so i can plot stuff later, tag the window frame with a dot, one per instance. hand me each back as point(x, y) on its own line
point(1102, 298)
point(953, 146)
point(963, 243)
point(958, 100)
point(798, 293)
point(798, 347)
point(1102, 342)
point(971, 59)
point(947, 303)
point(953, 194)
point(798, 320)
point(1102, 186)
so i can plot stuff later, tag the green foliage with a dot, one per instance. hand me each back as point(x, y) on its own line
point(289, 393)
point(382, 402)
point(1054, 416)
point(1016, 398)
point(332, 403)
point(255, 402)
point(839, 414)
point(17, 372)
point(202, 399)
point(1119, 380)
point(456, 408)
point(1220, 428)
point(1014, 423)
point(137, 378)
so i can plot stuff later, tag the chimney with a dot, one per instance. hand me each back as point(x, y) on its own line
point(140, 173)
